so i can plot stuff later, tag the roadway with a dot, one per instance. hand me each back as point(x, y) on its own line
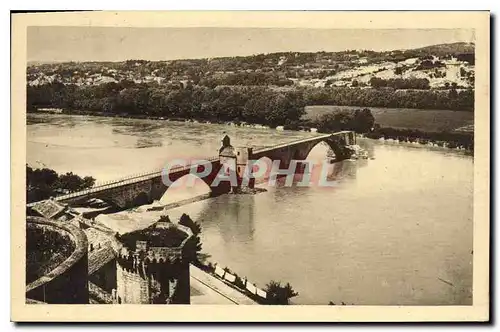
point(206, 289)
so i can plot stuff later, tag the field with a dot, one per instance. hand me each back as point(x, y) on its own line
point(426, 120)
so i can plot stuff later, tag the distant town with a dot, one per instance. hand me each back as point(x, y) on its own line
point(434, 67)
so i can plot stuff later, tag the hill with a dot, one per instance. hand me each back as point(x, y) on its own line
point(431, 67)
point(445, 49)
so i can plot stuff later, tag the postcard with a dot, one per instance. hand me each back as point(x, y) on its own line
point(250, 166)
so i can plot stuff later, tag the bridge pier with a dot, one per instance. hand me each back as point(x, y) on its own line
point(244, 169)
point(350, 138)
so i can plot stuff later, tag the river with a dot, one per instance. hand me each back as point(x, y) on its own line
point(396, 230)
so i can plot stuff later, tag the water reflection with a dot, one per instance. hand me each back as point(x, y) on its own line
point(368, 146)
point(232, 215)
point(346, 169)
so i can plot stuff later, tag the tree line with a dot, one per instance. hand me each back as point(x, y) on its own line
point(261, 105)
point(45, 183)
point(454, 99)
point(222, 104)
point(464, 140)
point(360, 121)
point(251, 78)
point(401, 83)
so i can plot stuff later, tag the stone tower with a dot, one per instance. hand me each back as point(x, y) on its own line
point(153, 265)
point(235, 160)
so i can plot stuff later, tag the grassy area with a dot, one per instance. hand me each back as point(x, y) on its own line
point(156, 237)
point(404, 118)
point(45, 250)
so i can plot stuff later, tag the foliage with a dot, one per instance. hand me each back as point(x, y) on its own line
point(388, 97)
point(45, 183)
point(361, 121)
point(469, 57)
point(251, 78)
point(464, 140)
point(186, 220)
point(164, 219)
point(278, 294)
point(400, 83)
point(222, 104)
point(238, 282)
point(155, 236)
point(250, 104)
point(429, 64)
point(73, 182)
point(194, 244)
point(45, 250)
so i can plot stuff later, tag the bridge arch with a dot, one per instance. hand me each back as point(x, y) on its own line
point(185, 187)
point(334, 145)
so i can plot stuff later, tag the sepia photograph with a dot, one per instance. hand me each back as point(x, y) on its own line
point(316, 167)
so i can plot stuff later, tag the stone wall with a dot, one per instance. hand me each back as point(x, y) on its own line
point(105, 277)
point(131, 287)
point(68, 282)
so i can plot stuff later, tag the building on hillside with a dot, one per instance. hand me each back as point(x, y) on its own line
point(453, 70)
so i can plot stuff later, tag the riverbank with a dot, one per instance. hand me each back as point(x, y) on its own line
point(232, 280)
point(150, 117)
point(451, 140)
point(214, 290)
point(461, 140)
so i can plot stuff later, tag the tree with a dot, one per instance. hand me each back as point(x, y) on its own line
point(278, 294)
point(186, 220)
point(73, 182)
point(331, 122)
point(363, 121)
point(192, 254)
point(165, 219)
point(44, 183)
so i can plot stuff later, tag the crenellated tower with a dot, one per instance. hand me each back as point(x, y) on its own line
point(153, 265)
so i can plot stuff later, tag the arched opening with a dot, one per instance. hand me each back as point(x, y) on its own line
point(318, 161)
point(187, 187)
point(141, 199)
point(321, 151)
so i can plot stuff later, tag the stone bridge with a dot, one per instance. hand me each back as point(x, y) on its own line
point(146, 188)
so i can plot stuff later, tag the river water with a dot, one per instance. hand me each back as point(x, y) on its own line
point(396, 229)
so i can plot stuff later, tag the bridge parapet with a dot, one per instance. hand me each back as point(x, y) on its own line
point(284, 152)
point(345, 137)
point(136, 178)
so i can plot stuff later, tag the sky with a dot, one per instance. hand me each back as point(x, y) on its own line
point(49, 44)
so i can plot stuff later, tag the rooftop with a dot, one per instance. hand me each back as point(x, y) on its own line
point(100, 257)
point(48, 208)
point(159, 234)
